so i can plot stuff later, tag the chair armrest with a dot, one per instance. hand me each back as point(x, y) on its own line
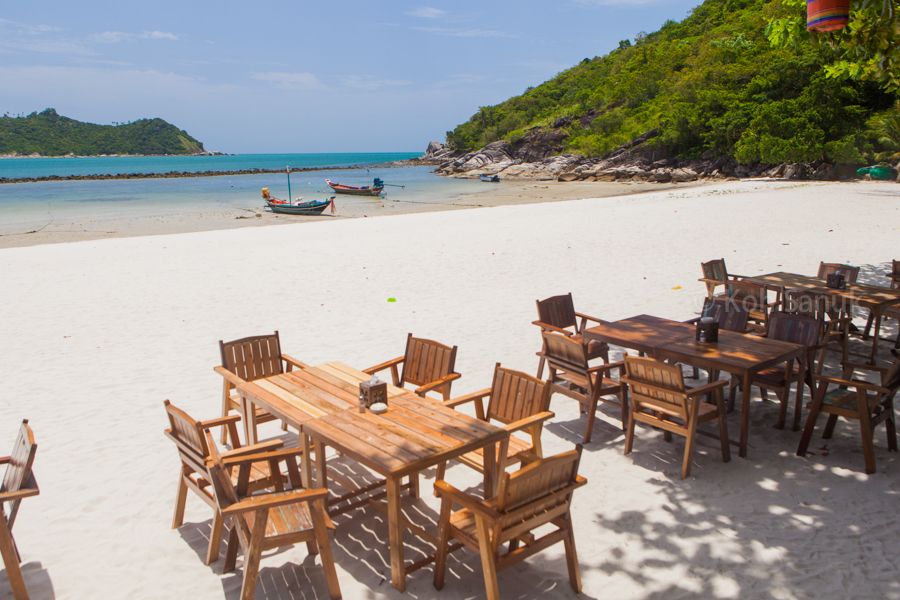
point(854, 383)
point(527, 422)
point(254, 503)
point(19, 494)
point(385, 365)
point(290, 360)
point(705, 389)
point(590, 318)
point(714, 281)
point(219, 422)
point(454, 402)
point(228, 375)
point(267, 446)
point(613, 365)
point(733, 277)
point(445, 490)
point(863, 367)
point(437, 383)
point(5, 460)
point(244, 459)
point(549, 327)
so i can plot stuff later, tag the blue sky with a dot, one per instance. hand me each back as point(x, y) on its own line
point(308, 76)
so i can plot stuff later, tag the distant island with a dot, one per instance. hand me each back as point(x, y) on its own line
point(48, 134)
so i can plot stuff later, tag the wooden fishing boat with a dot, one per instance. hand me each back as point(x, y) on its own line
point(490, 178)
point(371, 190)
point(285, 207)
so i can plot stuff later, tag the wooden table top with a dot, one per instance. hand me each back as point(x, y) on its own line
point(858, 292)
point(413, 434)
point(663, 337)
point(302, 395)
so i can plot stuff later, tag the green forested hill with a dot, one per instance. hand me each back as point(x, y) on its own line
point(49, 134)
point(712, 84)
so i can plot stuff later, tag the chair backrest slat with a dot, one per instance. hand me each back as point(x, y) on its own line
point(891, 378)
point(515, 395)
point(541, 480)
point(563, 351)
point(728, 313)
point(426, 361)
point(795, 329)
point(747, 295)
point(18, 469)
point(192, 446)
point(254, 357)
point(658, 384)
point(850, 273)
point(715, 269)
point(558, 311)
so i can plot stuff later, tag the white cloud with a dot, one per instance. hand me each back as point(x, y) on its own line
point(427, 12)
point(113, 37)
point(28, 29)
point(462, 32)
point(290, 81)
point(369, 83)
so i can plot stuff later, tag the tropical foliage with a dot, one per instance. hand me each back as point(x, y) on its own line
point(49, 134)
point(712, 84)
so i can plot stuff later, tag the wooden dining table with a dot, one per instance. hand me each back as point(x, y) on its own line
point(737, 353)
point(875, 298)
point(414, 434)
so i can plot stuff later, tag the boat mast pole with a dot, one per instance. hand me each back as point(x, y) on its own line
point(288, 171)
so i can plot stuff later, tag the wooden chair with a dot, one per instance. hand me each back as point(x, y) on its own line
point(426, 364)
point(834, 328)
point(267, 520)
point(868, 403)
point(754, 299)
point(795, 329)
point(571, 375)
point(520, 403)
point(18, 483)
point(715, 273)
point(557, 313)
point(850, 273)
point(660, 399)
point(892, 312)
point(249, 359)
point(194, 452)
point(538, 494)
point(727, 313)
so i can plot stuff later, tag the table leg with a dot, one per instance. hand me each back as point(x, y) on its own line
point(798, 403)
point(745, 414)
point(876, 335)
point(395, 534)
point(321, 469)
point(306, 477)
point(249, 420)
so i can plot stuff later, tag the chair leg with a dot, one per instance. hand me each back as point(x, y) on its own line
point(540, 370)
point(723, 427)
point(443, 538)
point(414, 485)
point(439, 476)
point(180, 499)
point(231, 551)
point(11, 562)
point(572, 558)
point(215, 538)
point(324, 546)
point(591, 414)
point(488, 564)
point(690, 442)
point(783, 398)
point(811, 420)
point(253, 553)
point(629, 435)
point(732, 392)
point(865, 430)
point(829, 426)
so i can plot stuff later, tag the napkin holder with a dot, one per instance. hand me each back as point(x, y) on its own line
point(835, 281)
point(707, 330)
point(373, 391)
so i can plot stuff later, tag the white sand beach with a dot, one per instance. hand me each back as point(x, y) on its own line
point(96, 334)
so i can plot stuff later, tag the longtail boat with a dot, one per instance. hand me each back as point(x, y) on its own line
point(372, 190)
point(285, 207)
point(490, 178)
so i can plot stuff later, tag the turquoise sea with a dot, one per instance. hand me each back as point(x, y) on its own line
point(28, 206)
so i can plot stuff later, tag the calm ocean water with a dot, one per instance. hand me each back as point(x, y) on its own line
point(28, 206)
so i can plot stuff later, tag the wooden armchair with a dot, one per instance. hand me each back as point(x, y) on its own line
point(249, 359)
point(538, 494)
point(850, 273)
point(715, 274)
point(834, 328)
point(267, 520)
point(894, 311)
point(660, 399)
point(426, 364)
point(557, 313)
point(571, 375)
point(754, 299)
point(727, 313)
point(868, 403)
point(18, 483)
point(520, 403)
point(795, 329)
point(194, 451)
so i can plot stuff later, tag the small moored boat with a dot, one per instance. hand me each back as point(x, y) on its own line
point(285, 207)
point(372, 190)
point(490, 178)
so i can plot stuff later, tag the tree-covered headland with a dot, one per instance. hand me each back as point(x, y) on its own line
point(49, 134)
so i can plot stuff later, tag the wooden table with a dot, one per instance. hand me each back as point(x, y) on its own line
point(737, 353)
point(415, 433)
point(875, 298)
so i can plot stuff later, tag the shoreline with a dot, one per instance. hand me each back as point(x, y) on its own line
point(506, 194)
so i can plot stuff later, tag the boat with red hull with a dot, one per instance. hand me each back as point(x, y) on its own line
point(372, 190)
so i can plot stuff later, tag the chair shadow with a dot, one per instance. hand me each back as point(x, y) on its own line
point(291, 581)
point(37, 582)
